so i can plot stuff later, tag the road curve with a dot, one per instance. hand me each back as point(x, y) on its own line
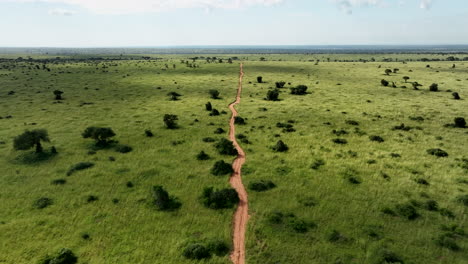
point(242, 212)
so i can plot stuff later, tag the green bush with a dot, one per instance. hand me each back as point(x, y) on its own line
point(58, 181)
point(272, 95)
point(100, 134)
point(407, 211)
point(208, 106)
point(280, 84)
point(431, 205)
point(239, 120)
point(460, 122)
point(447, 241)
point(384, 82)
point(299, 90)
point(148, 133)
point(280, 147)
point(434, 87)
point(261, 185)
point(30, 139)
point(437, 152)
point(79, 166)
point(214, 93)
point(382, 255)
point(340, 141)
point(123, 148)
point(170, 121)
point(317, 164)
point(376, 139)
point(196, 251)
point(203, 156)
point(219, 199)
point(221, 168)
point(42, 203)
point(226, 147)
point(64, 256)
point(218, 247)
point(162, 201)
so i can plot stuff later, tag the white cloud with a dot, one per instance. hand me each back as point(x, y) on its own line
point(426, 4)
point(61, 12)
point(148, 6)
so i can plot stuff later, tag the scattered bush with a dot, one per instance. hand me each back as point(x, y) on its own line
point(203, 156)
point(259, 79)
point(376, 139)
point(280, 84)
point(58, 95)
point(79, 166)
point(219, 131)
point(407, 210)
point(456, 96)
point(214, 93)
point(434, 87)
point(99, 134)
point(341, 141)
point(384, 82)
point(196, 251)
point(299, 90)
point(224, 198)
point(460, 122)
point(437, 152)
point(308, 201)
point(170, 121)
point(214, 112)
point(272, 95)
point(32, 138)
point(335, 236)
point(402, 127)
point(317, 164)
point(447, 241)
point(208, 106)
point(239, 120)
point(174, 96)
point(64, 256)
point(148, 133)
point(91, 198)
point(280, 146)
point(422, 181)
point(208, 139)
point(42, 203)
point(431, 205)
point(58, 181)
point(218, 247)
point(261, 185)
point(163, 201)
point(382, 255)
point(226, 147)
point(221, 168)
point(123, 148)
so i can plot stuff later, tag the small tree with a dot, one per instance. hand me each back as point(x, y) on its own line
point(299, 90)
point(384, 82)
point(170, 121)
point(280, 84)
point(239, 120)
point(388, 71)
point(259, 79)
point(208, 106)
point(280, 146)
point(226, 147)
point(456, 96)
point(460, 122)
point(224, 198)
point(100, 134)
point(174, 96)
point(272, 95)
point(415, 85)
point(406, 78)
point(163, 201)
point(434, 87)
point(395, 70)
point(221, 168)
point(29, 139)
point(58, 95)
point(214, 93)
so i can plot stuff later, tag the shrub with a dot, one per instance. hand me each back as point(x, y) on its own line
point(214, 112)
point(437, 152)
point(406, 78)
point(422, 181)
point(384, 82)
point(218, 247)
point(340, 141)
point(456, 96)
point(63, 256)
point(275, 217)
point(219, 131)
point(259, 79)
point(174, 96)
point(79, 166)
point(376, 139)
point(42, 203)
point(99, 134)
point(463, 199)
point(32, 138)
point(123, 148)
point(224, 198)
point(203, 156)
point(431, 205)
point(407, 210)
point(317, 164)
point(280, 146)
point(170, 121)
point(434, 87)
point(162, 201)
point(239, 120)
point(221, 168)
point(308, 201)
point(91, 198)
point(447, 241)
point(58, 181)
point(261, 185)
point(226, 147)
point(208, 106)
point(298, 225)
point(299, 90)
point(388, 211)
point(58, 95)
point(148, 133)
point(272, 95)
point(280, 84)
point(208, 139)
point(446, 212)
point(214, 93)
point(388, 71)
point(460, 122)
point(196, 251)
point(336, 236)
point(382, 255)
point(352, 122)
point(129, 184)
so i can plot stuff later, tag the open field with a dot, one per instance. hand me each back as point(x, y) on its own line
point(360, 201)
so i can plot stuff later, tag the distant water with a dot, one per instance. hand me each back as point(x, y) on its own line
point(346, 49)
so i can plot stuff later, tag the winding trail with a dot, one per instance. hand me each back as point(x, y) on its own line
point(242, 215)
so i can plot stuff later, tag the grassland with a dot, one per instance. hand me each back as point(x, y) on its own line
point(345, 221)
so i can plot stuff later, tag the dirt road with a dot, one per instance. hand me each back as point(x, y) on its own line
point(241, 216)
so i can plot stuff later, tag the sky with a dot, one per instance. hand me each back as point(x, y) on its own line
point(140, 23)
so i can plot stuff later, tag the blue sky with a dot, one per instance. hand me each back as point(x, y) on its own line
point(119, 23)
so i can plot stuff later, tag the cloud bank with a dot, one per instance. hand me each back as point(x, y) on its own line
point(347, 6)
point(61, 12)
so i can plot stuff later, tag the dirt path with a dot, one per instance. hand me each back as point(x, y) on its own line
point(241, 216)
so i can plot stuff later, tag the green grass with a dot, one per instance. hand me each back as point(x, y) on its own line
point(132, 231)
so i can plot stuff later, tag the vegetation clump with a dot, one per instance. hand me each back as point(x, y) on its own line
point(214, 93)
point(460, 122)
point(162, 201)
point(272, 95)
point(30, 139)
point(280, 84)
point(299, 90)
point(196, 251)
point(170, 121)
point(239, 120)
point(79, 166)
point(123, 148)
point(280, 147)
point(437, 152)
point(203, 156)
point(42, 203)
point(221, 168)
point(219, 199)
point(100, 134)
point(378, 139)
point(261, 185)
point(63, 256)
point(434, 87)
point(226, 147)
point(407, 211)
